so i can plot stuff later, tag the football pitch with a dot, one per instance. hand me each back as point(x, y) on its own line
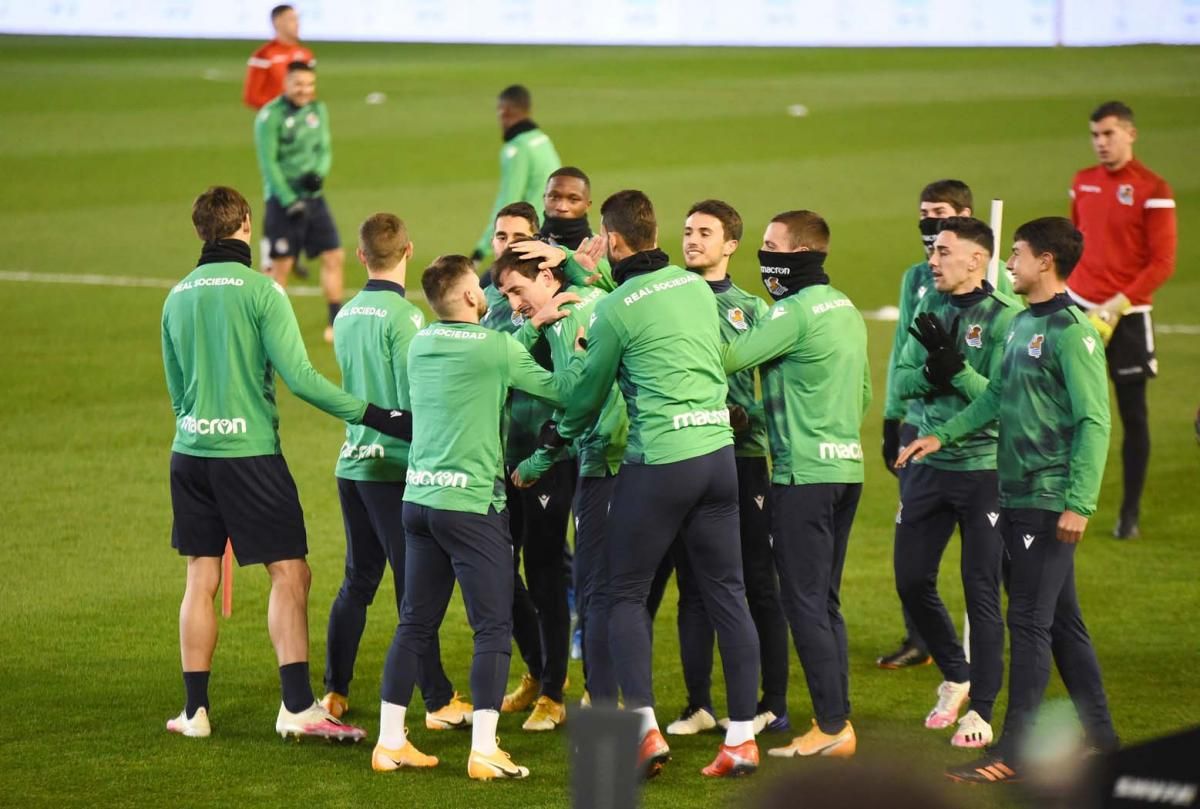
point(105, 143)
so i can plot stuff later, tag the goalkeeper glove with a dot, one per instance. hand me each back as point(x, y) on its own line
point(1105, 316)
point(548, 437)
point(891, 443)
point(311, 182)
point(944, 359)
point(396, 423)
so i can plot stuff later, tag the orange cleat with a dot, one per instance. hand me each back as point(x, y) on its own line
point(732, 762)
point(652, 754)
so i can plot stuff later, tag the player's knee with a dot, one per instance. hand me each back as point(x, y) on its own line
point(203, 576)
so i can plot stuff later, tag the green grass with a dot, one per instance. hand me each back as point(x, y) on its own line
point(105, 144)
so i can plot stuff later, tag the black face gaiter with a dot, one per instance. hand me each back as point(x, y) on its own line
point(786, 273)
point(639, 263)
point(929, 227)
point(225, 250)
point(568, 233)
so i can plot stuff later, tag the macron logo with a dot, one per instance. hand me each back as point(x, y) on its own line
point(842, 452)
point(701, 418)
point(353, 452)
point(1028, 538)
point(544, 499)
point(759, 500)
point(992, 517)
point(451, 480)
point(191, 424)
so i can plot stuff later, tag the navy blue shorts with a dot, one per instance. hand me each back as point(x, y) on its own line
point(253, 501)
point(315, 231)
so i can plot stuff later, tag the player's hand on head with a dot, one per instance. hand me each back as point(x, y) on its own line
point(739, 419)
point(1071, 526)
point(552, 311)
point(550, 255)
point(588, 256)
point(925, 445)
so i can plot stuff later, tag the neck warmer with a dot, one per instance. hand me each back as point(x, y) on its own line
point(380, 285)
point(639, 263)
point(724, 285)
point(968, 299)
point(225, 250)
point(520, 127)
point(929, 230)
point(565, 232)
point(785, 274)
point(1055, 304)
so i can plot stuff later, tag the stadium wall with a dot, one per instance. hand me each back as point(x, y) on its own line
point(635, 22)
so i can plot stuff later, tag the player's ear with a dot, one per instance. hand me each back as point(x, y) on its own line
point(408, 251)
point(361, 256)
point(731, 246)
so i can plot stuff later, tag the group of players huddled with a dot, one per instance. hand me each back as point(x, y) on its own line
point(686, 423)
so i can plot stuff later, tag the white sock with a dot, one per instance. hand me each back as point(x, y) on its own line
point(739, 733)
point(483, 731)
point(649, 722)
point(391, 726)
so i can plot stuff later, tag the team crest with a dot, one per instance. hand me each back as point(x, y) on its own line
point(1035, 345)
point(975, 335)
point(518, 319)
point(738, 318)
point(1125, 194)
point(775, 287)
point(289, 122)
point(281, 246)
point(312, 120)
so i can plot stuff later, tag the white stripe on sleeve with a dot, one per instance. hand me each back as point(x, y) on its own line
point(1159, 203)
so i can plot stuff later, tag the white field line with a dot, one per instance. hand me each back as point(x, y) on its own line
point(887, 313)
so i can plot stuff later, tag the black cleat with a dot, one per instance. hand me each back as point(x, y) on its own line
point(1126, 528)
point(991, 769)
point(907, 656)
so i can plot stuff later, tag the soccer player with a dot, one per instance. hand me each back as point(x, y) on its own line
point(938, 200)
point(567, 200)
point(291, 136)
point(226, 330)
point(1052, 403)
point(373, 332)
point(811, 350)
point(958, 346)
point(459, 375)
point(268, 65)
point(657, 336)
point(1127, 215)
point(538, 514)
point(711, 234)
point(526, 160)
point(537, 293)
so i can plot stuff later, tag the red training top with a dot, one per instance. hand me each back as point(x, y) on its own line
point(267, 68)
point(1128, 222)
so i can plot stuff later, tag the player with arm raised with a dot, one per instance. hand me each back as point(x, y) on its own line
point(1052, 403)
point(459, 375)
point(811, 350)
point(1126, 213)
point(226, 332)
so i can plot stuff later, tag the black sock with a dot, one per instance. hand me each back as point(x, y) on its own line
point(297, 690)
point(1135, 446)
point(195, 683)
point(334, 308)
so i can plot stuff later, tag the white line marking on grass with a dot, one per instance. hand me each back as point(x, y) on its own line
point(87, 279)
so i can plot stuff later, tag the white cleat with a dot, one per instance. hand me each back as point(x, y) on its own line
point(761, 722)
point(315, 721)
point(691, 722)
point(972, 732)
point(951, 698)
point(197, 727)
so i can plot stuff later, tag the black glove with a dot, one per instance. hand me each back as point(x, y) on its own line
point(548, 437)
point(297, 210)
point(941, 366)
point(891, 444)
point(477, 255)
point(311, 182)
point(944, 359)
point(396, 423)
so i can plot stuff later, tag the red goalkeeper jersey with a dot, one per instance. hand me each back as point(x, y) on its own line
point(267, 68)
point(1128, 222)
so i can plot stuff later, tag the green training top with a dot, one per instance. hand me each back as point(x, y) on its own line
point(524, 415)
point(226, 330)
point(916, 283)
point(811, 350)
point(1051, 397)
point(459, 376)
point(601, 447)
point(527, 160)
point(983, 320)
point(738, 310)
point(657, 336)
point(291, 141)
point(370, 338)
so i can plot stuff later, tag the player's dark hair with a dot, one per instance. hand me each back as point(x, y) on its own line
point(517, 95)
point(970, 229)
point(219, 212)
point(383, 238)
point(730, 219)
point(1119, 109)
point(511, 261)
point(281, 9)
point(1056, 236)
point(955, 193)
point(570, 171)
point(805, 229)
point(442, 276)
point(522, 209)
point(631, 214)
point(297, 66)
